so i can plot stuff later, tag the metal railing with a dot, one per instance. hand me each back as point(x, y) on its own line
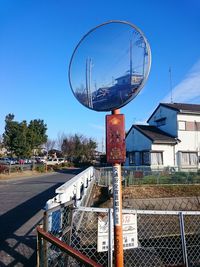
point(61, 253)
point(151, 238)
point(139, 175)
point(156, 232)
point(77, 189)
point(18, 168)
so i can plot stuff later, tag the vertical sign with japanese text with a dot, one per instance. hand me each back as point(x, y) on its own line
point(116, 195)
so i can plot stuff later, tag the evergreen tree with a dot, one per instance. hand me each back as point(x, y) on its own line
point(37, 133)
point(20, 139)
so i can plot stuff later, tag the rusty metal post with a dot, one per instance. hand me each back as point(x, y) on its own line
point(115, 150)
point(117, 210)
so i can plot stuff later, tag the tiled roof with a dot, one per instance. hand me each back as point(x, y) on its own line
point(155, 134)
point(179, 107)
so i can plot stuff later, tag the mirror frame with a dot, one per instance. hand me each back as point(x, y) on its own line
point(92, 30)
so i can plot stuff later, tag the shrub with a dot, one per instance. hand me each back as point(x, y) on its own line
point(4, 169)
point(40, 168)
point(67, 164)
point(56, 167)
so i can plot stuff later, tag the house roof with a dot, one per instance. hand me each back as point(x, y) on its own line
point(179, 107)
point(154, 134)
point(128, 75)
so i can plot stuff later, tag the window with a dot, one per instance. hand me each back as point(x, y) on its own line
point(192, 126)
point(161, 122)
point(145, 158)
point(189, 158)
point(156, 158)
point(132, 158)
point(197, 126)
point(189, 125)
point(181, 125)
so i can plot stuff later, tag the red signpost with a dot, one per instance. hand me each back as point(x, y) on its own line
point(116, 154)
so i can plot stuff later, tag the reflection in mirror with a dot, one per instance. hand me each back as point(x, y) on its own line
point(109, 66)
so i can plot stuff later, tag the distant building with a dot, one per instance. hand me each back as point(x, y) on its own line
point(125, 79)
point(171, 138)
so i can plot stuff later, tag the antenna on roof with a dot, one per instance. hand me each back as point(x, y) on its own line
point(170, 83)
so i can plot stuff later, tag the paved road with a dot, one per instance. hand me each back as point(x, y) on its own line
point(21, 203)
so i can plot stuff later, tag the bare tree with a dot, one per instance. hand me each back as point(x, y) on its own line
point(79, 148)
point(1, 140)
point(1, 143)
point(49, 145)
point(59, 142)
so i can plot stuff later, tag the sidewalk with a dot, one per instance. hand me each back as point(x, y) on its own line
point(23, 175)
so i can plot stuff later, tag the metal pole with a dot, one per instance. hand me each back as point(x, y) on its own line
point(110, 239)
point(39, 251)
point(184, 248)
point(117, 210)
point(45, 227)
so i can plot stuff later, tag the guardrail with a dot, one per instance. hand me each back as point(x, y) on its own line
point(69, 255)
point(77, 189)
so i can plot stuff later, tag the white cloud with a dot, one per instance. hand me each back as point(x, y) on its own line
point(188, 89)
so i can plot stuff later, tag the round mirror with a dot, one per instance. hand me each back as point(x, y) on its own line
point(109, 66)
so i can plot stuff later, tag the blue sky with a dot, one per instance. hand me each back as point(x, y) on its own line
point(37, 39)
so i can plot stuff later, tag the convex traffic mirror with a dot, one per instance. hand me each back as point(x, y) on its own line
point(109, 66)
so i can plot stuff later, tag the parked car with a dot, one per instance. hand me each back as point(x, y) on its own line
point(61, 160)
point(3, 160)
point(55, 161)
point(52, 161)
point(27, 161)
point(40, 160)
point(12, 161)
point(8, 161)
point(21, 161)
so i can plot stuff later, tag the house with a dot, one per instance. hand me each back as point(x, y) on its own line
point(171, 138)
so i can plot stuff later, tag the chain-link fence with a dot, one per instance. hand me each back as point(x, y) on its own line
point(139, 175)
point(164, 203)
point(151, 238)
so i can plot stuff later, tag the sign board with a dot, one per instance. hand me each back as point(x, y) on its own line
point(115, 138)
point(130, 237)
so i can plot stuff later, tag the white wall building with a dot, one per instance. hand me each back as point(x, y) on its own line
point(171, 138)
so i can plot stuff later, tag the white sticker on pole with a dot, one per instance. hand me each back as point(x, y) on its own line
point(116, 195)
point(130, 236)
